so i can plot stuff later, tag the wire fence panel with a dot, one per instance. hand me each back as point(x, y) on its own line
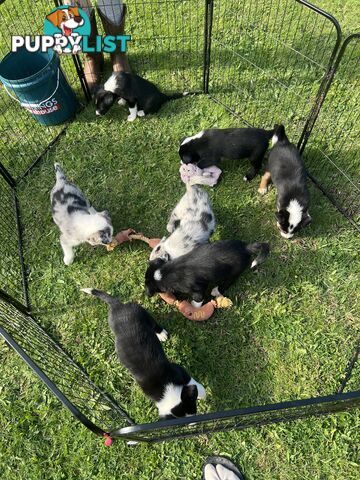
point(239, 419)
point(270, 53)
point(332, 153)
point(22, 138)
point(60, 371)
point(11, 272)
point(167, 45)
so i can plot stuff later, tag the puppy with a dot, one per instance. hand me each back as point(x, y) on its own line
point(77, 220)
point(191, 223)
point(214, 265)
point(141, 96)
point(207, 147)
point(137, 344)
point(286, 169)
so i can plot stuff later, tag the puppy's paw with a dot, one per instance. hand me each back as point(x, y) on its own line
point(223, 302)
point(141, 113)
point(121, 101)
point(262, 191)
point(68, 260)
point(131, 117)
point(163, 335)
point(245, 178)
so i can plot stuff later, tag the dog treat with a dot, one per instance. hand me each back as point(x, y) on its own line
point(194, 175)
point(223, 302)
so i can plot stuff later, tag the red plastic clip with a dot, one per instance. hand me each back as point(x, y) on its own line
point(108, 440)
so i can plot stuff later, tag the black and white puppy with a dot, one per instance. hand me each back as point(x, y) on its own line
point(191, 223)
point(137, 344)
point(77, 220)
point(207, 147)
point(286, 169)
point(141, 96)
point(214, 265)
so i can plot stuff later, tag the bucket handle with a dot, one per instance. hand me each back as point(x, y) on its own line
point(43, 101)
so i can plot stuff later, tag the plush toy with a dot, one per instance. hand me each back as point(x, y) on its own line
point(184, 307)
point(194, 175)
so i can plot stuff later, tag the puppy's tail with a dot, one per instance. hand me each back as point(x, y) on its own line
point(262, 249)
point(60, 175)
point(174, 96)
point(105, 297)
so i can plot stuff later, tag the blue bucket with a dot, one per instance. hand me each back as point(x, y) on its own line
point(39, 85)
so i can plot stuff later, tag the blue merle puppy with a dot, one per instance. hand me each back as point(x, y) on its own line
point(191, 224)
point(77, 220)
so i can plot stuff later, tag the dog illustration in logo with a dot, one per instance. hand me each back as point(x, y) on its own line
point(66, 20)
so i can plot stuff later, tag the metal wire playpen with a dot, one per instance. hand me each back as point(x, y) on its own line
point(243, 55)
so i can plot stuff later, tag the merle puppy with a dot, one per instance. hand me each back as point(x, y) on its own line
point(286, 169)
point(141, 96)
point(137, 344)
point(191, 224)
point(215, 265)
point(207, 147)
point(77, 220)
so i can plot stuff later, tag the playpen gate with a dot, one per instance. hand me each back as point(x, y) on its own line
point(245, 56)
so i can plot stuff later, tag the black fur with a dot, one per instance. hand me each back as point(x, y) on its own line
point(232, 143)
point(140, 351)
point(288, 174)
point(211, 265)
point(134, 90)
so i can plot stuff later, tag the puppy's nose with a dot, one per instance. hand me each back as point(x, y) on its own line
point(98, 113)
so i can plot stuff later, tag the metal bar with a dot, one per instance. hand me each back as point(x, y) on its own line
point(349, 369)
point(7, 176)
point(53, 388)
point(327, 404)
point(209, 11)
point(21, 252)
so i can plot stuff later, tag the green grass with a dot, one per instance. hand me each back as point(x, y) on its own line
point(289, 335)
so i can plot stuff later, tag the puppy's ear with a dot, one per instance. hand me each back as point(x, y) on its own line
point(306, 220)
point(106, 214)
point(282, 215)
point(189, 392)
point(95, 90)
point(280, 132)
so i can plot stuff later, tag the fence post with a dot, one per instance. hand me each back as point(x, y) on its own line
point(209, 10)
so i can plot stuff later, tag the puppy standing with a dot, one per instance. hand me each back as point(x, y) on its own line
point(207, 147)
point(191, 224)
point(77, 220)
point(141, 96)
point(214, 265)
point(286, 169)
point(137, 343)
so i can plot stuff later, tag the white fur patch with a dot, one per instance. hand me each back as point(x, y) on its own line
point(274, 140)
point(253, 264)
point(196, 304)
point(171, 398)
point(111, 84)
point(87, 290)
point(121, 101)
point(163, 335)
point(215, 292)
point(295, 214)
point(157, 275)
point(141, 113)
point(188, 139)
point(133, 114)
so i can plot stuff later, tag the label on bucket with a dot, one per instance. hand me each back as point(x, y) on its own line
point(50, 106)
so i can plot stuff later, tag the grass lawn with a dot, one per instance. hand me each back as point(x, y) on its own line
point(290, 333)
